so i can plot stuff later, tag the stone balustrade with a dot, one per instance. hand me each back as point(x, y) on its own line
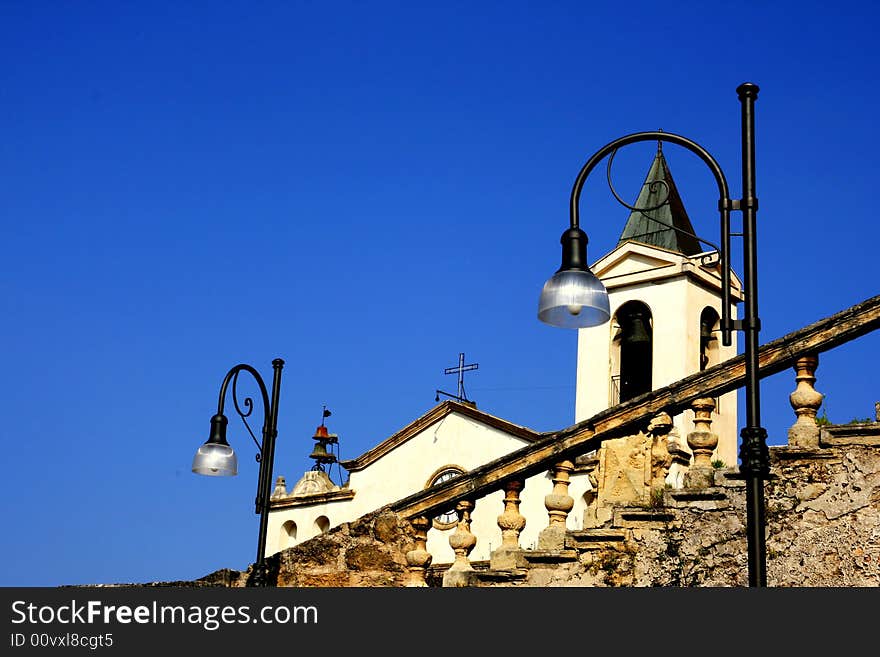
point(696, 537)
point(648, 455)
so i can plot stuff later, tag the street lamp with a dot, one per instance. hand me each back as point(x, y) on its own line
point(574, 298)
point(217, 459)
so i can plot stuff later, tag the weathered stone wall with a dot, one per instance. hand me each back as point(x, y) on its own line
point(823, 530)
point(368, 552)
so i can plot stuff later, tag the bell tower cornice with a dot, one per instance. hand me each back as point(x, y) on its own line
point(633, 263)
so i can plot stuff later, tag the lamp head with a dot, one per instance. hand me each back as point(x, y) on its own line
point(216, 458)
point(574, 297)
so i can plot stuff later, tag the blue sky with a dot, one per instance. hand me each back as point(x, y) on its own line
point(366, 190)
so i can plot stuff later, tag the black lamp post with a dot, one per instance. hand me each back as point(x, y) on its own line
point(558, 311)
point(217, 459)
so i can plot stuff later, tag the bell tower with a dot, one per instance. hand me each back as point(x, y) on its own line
point(664, 292)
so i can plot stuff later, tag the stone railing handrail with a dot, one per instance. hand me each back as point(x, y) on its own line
point(588, 435)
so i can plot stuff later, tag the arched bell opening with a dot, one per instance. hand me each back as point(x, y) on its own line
point(633, 351)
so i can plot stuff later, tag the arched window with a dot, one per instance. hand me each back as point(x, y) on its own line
point(288, 534)
point(449, 518)
point(634, 344)
point(323, 524)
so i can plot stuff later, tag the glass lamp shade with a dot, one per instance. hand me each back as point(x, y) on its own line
point(215, 460)
point(574, 298)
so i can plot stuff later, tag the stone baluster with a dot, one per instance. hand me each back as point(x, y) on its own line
point(511, 522)
point(661, 459)
point(805, 401)
point(558, 504)
point(418, 559)
point(702, 443)
point(462, 542)
point(591, 495)
point(681, 459)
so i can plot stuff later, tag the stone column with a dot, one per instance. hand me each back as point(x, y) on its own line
point(805, 401)
point(511, 522)
point(418, 559)
point(558, 504)
point(681, 459)
point(702, 443)
point(661, 460)
point(462, 542)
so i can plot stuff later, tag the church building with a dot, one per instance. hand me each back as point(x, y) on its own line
point(665, 299)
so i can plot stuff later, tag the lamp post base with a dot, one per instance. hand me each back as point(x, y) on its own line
point(755, 457)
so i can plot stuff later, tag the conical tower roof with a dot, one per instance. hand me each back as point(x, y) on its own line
point(668, 226)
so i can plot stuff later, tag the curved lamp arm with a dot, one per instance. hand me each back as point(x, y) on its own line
point(724, 204)
point(268, 434)
point(232, 375)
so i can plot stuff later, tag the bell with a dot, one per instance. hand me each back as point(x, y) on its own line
point(319, 453)
point(706, 335)
point(705, 332)
point(634, 329)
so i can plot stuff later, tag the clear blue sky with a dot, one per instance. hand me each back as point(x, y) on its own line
point(366, 190)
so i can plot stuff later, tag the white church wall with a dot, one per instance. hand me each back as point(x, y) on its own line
point(454, 440)
point(306, 520)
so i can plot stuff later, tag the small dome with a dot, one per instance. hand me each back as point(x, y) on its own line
point(312, 482)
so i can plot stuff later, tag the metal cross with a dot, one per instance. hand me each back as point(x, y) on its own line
point(460, 370)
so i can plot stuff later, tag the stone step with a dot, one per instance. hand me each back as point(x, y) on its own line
point(594, 539)
point(502, 576)
point(707, 499)
point(645, 518)
point(548, 557)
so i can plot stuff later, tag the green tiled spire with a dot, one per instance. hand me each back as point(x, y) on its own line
point(668, 226)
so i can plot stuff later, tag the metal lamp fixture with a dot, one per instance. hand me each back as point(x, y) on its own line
point(216, 458)
point(575, 298)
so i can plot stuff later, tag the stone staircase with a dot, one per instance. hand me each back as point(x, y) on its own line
point(821, 499)
point(822, 519)
point(596, 549)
